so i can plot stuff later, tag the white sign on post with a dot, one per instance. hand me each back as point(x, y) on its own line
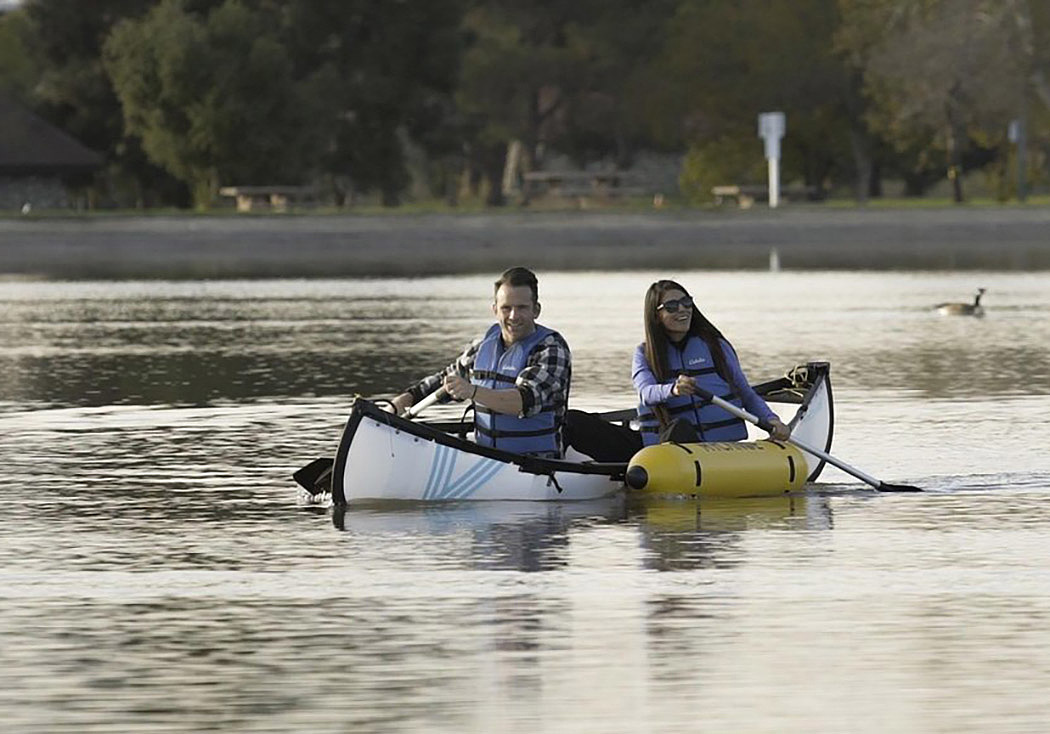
point(771, 126)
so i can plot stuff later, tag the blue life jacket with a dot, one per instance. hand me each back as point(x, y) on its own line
point(497, 368)
point(711, 422)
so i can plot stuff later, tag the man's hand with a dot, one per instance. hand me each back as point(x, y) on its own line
point(402, 403)
point(459, 388)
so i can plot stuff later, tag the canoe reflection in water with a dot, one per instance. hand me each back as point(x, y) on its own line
point(670, 533)
point(689, 534)
point(518, 536)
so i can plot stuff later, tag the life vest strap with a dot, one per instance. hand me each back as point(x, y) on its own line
point(490, 375)
point(698, 372)
point(498, 433)
point(721, 424)
point(686, 407)
point(713, 425)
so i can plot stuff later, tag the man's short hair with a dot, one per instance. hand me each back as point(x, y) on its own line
point(519, 276)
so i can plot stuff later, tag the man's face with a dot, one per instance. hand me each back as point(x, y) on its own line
point(515, 311)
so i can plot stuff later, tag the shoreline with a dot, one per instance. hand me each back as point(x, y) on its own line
point(351, 245)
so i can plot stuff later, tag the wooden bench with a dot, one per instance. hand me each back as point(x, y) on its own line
point(277, 198)
point(745, 195)
point(741, 195)
point(581, 184)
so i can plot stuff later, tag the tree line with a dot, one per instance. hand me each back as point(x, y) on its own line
point(185, 96)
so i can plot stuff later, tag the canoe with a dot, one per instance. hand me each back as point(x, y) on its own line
point(385, 457)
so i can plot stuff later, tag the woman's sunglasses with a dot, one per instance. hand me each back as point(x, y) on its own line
point(673, 305)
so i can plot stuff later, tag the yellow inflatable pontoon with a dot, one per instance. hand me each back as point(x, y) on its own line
point(745, 469)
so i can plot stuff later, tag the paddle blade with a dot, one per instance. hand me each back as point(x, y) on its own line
point(315, 477)
point(887, 487)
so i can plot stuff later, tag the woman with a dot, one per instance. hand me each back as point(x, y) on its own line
point(682, 352)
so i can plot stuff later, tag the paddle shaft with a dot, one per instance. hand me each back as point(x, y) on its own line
point(425, 403)
point(765, 426)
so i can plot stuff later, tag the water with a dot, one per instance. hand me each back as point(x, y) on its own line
point(159, 575)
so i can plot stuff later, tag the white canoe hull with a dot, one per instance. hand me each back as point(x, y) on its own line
point(385, 462)
point(383, 457)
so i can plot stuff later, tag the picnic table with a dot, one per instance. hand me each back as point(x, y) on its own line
point(744, 195)
point(581, 184)
point(277, 198)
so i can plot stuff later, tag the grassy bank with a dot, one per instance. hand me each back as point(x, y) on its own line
point(419, 241)
point(633, 205)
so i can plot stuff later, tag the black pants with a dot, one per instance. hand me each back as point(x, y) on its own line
point(680, 431)
point(599, 439)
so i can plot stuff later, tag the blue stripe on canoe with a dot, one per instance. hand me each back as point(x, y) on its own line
point(446, 472)
point(433, 468)
point(448, 486)
point(441, 486)
point(490, 473)
point(438, 474)
point(473, 479)
point(450, 468)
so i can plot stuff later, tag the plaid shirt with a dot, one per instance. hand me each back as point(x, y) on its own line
point(543, 384)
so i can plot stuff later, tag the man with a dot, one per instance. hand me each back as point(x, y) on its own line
point(517, 374)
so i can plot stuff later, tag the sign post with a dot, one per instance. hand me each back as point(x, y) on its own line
point(1017, 134)
point(771, 128)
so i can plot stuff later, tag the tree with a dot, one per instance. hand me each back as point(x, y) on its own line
point(557, 76)
point(723, 63)
point(63, 44)
point(213, 97)
point(613, 52)
point(1031, 24)
point(17, 70)
point(73, 89)
point(942, 75)
point(390, 71)
point(516, 70)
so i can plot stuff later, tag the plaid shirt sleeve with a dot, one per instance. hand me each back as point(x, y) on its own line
point(461, 367)
point(544, 383)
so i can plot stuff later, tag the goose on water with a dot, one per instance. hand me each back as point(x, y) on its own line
point(963, 309)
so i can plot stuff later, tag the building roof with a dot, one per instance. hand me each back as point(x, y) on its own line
point(31, 145)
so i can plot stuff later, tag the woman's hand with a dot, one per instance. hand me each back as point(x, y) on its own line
point(684, 385)
point(780, 431)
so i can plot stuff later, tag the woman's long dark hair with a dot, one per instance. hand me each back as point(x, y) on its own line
point(656, 338)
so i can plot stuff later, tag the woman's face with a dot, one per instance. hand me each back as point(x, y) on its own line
point(675, 311)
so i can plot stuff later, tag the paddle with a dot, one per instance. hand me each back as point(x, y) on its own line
point(766, 426)
point(316, 477)
point(425, 403)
